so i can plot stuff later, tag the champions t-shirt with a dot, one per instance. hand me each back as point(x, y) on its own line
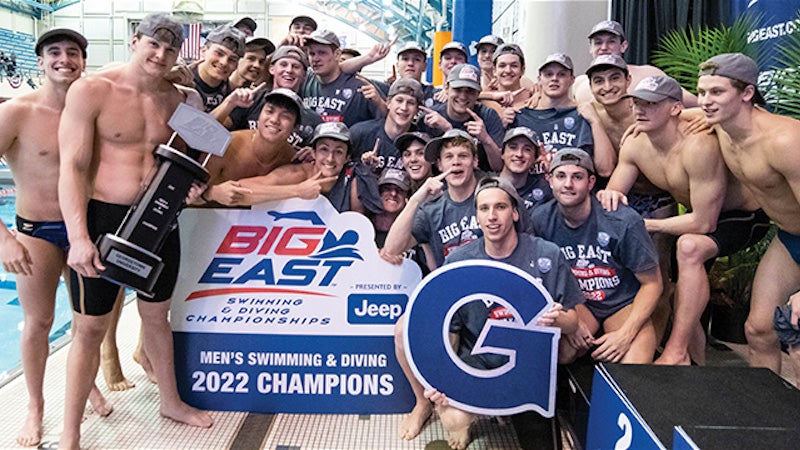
point(557, 128)
point(339, 100)
point(605, 252)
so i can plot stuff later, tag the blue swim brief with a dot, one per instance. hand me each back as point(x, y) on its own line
point(53, 232)
point(792, 244)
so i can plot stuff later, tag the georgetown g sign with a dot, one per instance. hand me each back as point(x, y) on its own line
point(526, 381)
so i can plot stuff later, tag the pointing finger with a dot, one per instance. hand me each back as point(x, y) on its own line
point(473, 115)
point(441, 176)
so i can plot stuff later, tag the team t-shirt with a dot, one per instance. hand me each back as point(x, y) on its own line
point(247, 119)
point(339, 100)
point(557, 128)
point(445, 224)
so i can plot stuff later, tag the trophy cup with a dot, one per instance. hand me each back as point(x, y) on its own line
point(130, 255)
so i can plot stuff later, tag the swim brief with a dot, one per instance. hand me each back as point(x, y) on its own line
point(96, 296)
point(54, 232)
point(653, 206)
point(792, 244)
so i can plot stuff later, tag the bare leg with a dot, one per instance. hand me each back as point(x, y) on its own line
point(777, 277)
point(691, 297)
point(158, 345)
point(643, 346)
point(457, 424)
point(109, 353)
point(140, 356)
point(82, 365)
point(413, 423)
point(663, 311)
point(37, 294)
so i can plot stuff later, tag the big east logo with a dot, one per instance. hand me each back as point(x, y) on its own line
point(296, 249)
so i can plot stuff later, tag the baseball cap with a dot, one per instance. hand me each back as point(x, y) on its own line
point(246, 22)
point(63, 34)
point(290, 51)
point(608, 26)
point(489, 39)
point(434, 146)
point(404, 140)
point(569, 156)
point(509, 49)
point(465, 75)
point(521, 131)
point(491, 181)
point(288, 94)
point(304, 19)
point(153, 22)
point(396, 177)
point(411, 46)
point(407, 86)
point(351, 51)
point(655, 89)
point(325, 37)
point(454, 45)
point(606, 61)
point(228, 37)
point(736, 66)
point(558, 58)
point(333, 130)
point(259, 43)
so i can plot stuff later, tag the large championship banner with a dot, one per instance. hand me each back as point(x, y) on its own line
point(287, 307)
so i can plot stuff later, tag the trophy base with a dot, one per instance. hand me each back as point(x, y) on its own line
point(129, 264)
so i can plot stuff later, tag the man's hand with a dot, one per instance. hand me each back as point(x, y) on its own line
point(508, 116)
point(305, 154)
point(380, 51)
point(435, 120)
point(229, 193)
point(312, 187)
point(549, 318)
point(611, 199)
point(581, 339)
point(536, 96)
point(84, 258)
point(195, 191)
point(476, 127)
point(432, 187)
point(441, 96)
point(370, 158)
point(244, 97)
point(586, 109)
point(182, 74)
point(390, 257)
point(794, 300)
point(612, 346)
point(15, 257)
point(438, 398)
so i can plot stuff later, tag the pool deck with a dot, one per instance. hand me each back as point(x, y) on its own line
point(135, 423)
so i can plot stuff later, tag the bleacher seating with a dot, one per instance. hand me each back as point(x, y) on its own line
point(22, 45)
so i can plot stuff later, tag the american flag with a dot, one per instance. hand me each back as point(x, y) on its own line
point(190, 50)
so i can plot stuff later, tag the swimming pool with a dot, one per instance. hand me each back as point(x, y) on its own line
point(11, 311)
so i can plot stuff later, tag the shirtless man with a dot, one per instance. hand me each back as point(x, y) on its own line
point(36, 253)
point(761, 150)
point(608, 38)
point(723, 217)
point(109, 159)
point(255, 152)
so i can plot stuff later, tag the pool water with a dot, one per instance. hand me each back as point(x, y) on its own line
point(10, 309)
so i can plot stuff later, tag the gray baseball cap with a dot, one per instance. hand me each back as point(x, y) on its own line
point(569, 156)
point(333, 130)
point(290, 51)
point(304, 19)
point(259, 43)
point(434, 147)
point(154, 22)
point(493, 181)
point(396, 177)
point(464, 75)
point(61, 34)
point(509, 49)
point(655, 89)
point(229, 37)
point(489, 39)
point(558, 58)
point(736, 66)
point(606, 61)
point(408, 86)
point(455, 45)
point(608, 26)
point(247, 22)
point(290, 95)
point(325, 37)
point(521, 131)
point(411, 46)
point(404, 140)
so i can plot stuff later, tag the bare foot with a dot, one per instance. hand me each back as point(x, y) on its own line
point(99, 403)
point(670, 359)
point(189, 415)
point(697, 346)
point(67, 443)
point(457, 424)
point(413, 423)
point(112, 373)
point(31, 432)
point(141, 358)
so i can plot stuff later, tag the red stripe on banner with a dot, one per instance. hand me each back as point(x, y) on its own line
point(223, 291)
point(191, 43)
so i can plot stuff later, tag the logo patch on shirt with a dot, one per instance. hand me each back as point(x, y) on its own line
point(569, 122)
point(544, 264)
point(347, 93)
point(538, 194)
point(603, 238)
